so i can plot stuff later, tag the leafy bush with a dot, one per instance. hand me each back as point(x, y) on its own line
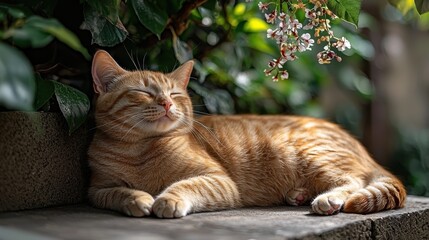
point(20, 88)
point(144, 23)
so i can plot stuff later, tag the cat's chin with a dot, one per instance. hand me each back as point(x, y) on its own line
point(165, 123)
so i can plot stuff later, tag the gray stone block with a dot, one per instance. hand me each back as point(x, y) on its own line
point(40, 163)
point(285, 222)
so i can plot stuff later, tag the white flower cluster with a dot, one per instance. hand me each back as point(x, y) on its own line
point(289, 35)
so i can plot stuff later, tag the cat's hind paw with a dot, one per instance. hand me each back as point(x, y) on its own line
point(170, 207)
point(297, 196)
point(138, 206)
point(327, 204)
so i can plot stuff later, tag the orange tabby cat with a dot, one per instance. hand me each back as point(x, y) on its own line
point(149, 154)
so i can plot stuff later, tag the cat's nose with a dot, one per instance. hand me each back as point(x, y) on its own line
point(166, 104)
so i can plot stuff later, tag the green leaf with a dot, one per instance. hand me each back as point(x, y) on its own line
point(181, 49)
point(347, 10)
point(151, 15)
point(17, 84)
point(404, 6)
point(56, 29)
point(44, 92)
point(422, 6)
point(15, 11)
point(216, 100)
point(106, 8)
point(104, 33)
point(73, 104)
point(30, 36)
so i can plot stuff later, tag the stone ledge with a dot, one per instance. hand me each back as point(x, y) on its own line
point(84, 222)
point(41, 164)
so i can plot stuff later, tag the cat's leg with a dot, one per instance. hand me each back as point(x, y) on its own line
point(202, 193)
point(332, 201)
point(297, 196)
point(129, 201)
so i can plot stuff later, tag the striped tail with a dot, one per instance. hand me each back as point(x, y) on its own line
point(382, 193)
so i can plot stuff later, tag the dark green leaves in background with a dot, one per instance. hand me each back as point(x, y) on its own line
point(19, 89)
point(151, 15)
point(37, 32)
point(73, 104)
point(30, 35)
point(56, 29)
point(102, 20)
point(44, 92)
point(17, 85)
point(107, 8)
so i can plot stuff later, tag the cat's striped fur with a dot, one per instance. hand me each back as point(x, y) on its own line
point(149, 155)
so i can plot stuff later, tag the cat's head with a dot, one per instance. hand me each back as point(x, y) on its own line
point(136, 104)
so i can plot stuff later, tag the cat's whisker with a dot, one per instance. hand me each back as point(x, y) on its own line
point(108, 123)
point(196, 132)
point(182, 120)
point(137, 66)
point(129, 130)
point(197, 135)
point(208, 130)
point(214, 148)
point(202, 113)
point(120, 123)
point(131, 58)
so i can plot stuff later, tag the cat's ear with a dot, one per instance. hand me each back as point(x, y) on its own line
point(104, 71)
point(183, 73)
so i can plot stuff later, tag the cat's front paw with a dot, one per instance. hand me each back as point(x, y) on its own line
point(168, 206)
point(297, 196)
point(139, 206)
point(327, 204)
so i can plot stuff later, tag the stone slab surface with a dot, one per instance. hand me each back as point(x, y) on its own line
point(85, 222)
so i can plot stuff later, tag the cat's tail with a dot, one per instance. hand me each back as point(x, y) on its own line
point(382, 193)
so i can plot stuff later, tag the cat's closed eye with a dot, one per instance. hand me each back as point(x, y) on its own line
point(175, 94)
point(143, 92)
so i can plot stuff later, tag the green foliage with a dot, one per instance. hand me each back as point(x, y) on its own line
point(151, 15)
point(44, 92)
point(422, 6)
point(412, 159)
point(30, 35)
point(406, 6)
point(17, 85)
point(34, 31)
point(109, 27)
point(19, 90)
point(106, 8)
point(102, 20)
point(56, 29)
point(347, 10)
point(73, 104)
